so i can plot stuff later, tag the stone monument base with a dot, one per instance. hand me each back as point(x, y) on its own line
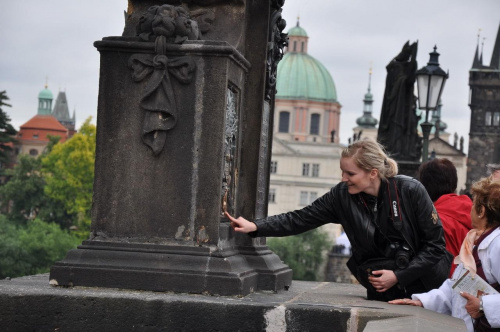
point(409, 168)
point(31, 304)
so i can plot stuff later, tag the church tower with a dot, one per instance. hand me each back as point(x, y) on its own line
point(367, 124)
point(484, 103)
point(61, 113)
point(33, 136)
point(45, 98)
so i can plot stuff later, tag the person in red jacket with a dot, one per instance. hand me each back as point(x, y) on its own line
point(439, 177)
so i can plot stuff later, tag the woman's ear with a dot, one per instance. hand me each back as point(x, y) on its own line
point(374, 173)
point(482, 211)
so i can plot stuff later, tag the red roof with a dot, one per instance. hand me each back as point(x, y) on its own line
point(47, 122)
point(39, 126)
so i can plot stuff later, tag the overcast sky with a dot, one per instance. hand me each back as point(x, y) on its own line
point(54, 39)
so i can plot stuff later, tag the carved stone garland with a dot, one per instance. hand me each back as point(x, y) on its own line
point(162, 24)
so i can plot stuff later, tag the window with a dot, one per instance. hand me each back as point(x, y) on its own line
point(274, 167)
point(34, 152)
point(35, 136)
point(487, 119)
point(496, 119)
point(305, 169)
point(295, 46)
point(272, 195)
point(315, 170)
point(304, 198)
point(314, 124)
point(284, 122)
point(307, 197)
point(302, 47)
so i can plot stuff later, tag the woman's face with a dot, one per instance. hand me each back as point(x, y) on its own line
point(357, 179)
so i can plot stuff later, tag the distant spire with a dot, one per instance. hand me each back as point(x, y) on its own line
point(46, 82)
point(482, 48)
point(367, 120)
point(477, 62)
point(495, 58)
point(370, 77)
point(298, 20)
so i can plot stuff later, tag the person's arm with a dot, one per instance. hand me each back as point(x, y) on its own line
point(320, 212)
point(430, 232)
point(438, 300)
point(491, 308)
point(491, 303)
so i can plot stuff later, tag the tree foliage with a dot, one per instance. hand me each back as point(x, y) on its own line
point(7, 132)
point(22, 196)
point(31, 249)
point(69, 174)
point(303, 253)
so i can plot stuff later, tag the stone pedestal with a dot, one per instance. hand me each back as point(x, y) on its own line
point(409, 168)
point(175, 129)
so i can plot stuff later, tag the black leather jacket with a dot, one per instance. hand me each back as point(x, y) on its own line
point(421, 228)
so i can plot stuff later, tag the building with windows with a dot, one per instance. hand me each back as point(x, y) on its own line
point(306, 150)
point(484, 103)
point(33, 136)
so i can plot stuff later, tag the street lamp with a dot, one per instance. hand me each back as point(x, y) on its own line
point(430, 84)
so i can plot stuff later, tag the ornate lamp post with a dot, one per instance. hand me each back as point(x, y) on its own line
point(430, 84)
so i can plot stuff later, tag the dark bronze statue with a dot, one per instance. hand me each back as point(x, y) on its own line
point(398, 120)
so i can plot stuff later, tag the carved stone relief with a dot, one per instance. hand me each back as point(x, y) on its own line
point(230, 142)
point(162, 24)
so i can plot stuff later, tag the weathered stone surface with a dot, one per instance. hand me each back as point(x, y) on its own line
point(183, 132)
point(30, 303)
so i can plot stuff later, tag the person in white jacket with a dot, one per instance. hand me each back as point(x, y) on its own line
point(485, 215)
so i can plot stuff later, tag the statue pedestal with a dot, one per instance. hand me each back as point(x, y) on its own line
point(409, 168)
point(163, 179)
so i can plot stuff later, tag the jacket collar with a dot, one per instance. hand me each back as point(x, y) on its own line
point(486, 242)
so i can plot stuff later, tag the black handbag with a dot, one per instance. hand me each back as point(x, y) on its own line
point(362, 271)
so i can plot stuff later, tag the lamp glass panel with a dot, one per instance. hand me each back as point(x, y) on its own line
point(436, 83)
point(422, 86)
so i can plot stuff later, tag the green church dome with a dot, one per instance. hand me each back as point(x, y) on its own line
point(45, 94)
point(297, 31)
point(300, 76)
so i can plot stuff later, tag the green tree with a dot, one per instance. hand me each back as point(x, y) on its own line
point(303, 253)
point(46, 243)
point(7, 132)
point(13, 257)
point(31, 249)
point(23, 196)
point(69, 175)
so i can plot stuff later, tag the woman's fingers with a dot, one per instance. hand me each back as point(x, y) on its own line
point(229, 216)
point(416, 303)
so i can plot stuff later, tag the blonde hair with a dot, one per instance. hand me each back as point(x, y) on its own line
point(368, 154)
point(486, 192)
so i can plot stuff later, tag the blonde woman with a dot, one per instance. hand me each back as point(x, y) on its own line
point(396, 236)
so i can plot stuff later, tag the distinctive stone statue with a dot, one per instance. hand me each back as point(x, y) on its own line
point(398, 120)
